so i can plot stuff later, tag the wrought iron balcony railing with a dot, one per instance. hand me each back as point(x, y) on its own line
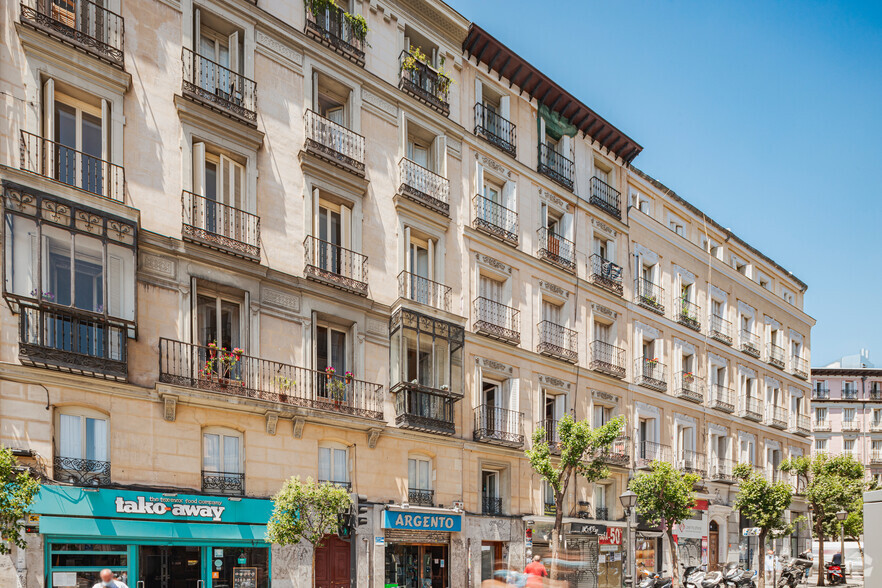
point(851, 426)
point(849, 393)
point(424, 83)
point(231, 483)
point(876, 393)
point(722, 398)
point(693, 462)
point(752, 409)
point(495, 220)
point(557, 341)
point(424, 291)
point(875, 456)
point(491, 505)
point(618, 453)
point(875, 426)
point(81, 472)
point(607, 359)
point(689, 387)
point(801, 424)
point(420, 497)
point(84, 24)
point(207, 368)
point(649, 295)
point(688, 314)
point(775, 355)
point(721, 470)
point(220, 225)
point(602, 513)
point(777, 417)
point(557, 250)
point(498, 425)
point(337, 483)
point(651, 373)
point(74, 168)
point(606, 274)
point(423, 411)
point(649, 451)
point(821, 425)
point(497, 320)
point(799, 367)
point(74, 341)
point(218, 87)
point(551, 437)
point(820, 393)
point(606, 198)
point(496, 130)
point(336, 266)
point(750, 343)
point(334, 143)
point(331, 29)
point(720, 329)
point(424, 186)
point(555, 166)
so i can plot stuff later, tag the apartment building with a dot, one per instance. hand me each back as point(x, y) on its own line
point(250, 240)
point(847, 410)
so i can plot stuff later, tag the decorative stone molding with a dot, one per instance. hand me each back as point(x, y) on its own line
point(493, 365)
point(647, 330)
point(772, 444)
point(553, 199)
point(554, 289)
point(492, 262)
point(718, 429)
point(373, 436)
point(796, 392)
point(604, 396)
point(684, 345)
point(602, 226)
point(718, 293)
point(492, 164)
point(552, 382)
point(770, 381)
point(272, 420)
point(377, 327)
point(746, 371)
point(648, 255)
point(772, 322)
point(745, 308)
point(746, 435)
point(279, 49)
point(717, 359)
point(169, 407)
point(684, 418)
point(280, 299)
point(299, 422)
point(608, 312)
point(370, 98)
point(644, 408)
point(158, 264)
point(795, 336)
point(454, 147)
point(685, 275)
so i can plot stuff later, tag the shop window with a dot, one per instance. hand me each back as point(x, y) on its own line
point(491, 559)
point(82, 562)
point(82, 454)
point(222, 461)
point(417, 565)
point(240, 562)
point(333, 464)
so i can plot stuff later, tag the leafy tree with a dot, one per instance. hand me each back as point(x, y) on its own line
point(19, 490)
point(854, 523)
point(832, 483)
point(665, 496)
point(581, 453)
point(763, 503)
point(306, 511)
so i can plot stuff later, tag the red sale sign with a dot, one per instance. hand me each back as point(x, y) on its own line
point(613, 536)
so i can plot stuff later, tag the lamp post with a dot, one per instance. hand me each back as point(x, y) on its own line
point(629, 501)
point(841, 516)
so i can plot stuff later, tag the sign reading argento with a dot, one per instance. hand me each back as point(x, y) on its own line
point(177, 508)
point(422, 521)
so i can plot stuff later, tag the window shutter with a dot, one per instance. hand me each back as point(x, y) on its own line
point(197, 29)
point(479, 91)
point(509, 196)
point(357, 365)
point(199, 168)
point(194, 319)
point(105, 131)
point(566, 146)
point(234, 54)
point(432, 259)
point(514, 395)
point(543, 215)
point(479, 385)
point(440, 148)
point(226, 171)
point(479, 178)
point(566, 222)
point(314, 342)
point(49, 124)
point(345, 227)
point(505, 107)
point(560, 406)
point(114, 286)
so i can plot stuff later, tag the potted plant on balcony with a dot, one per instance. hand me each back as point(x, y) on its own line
point(414, 59)
point(357, 25)
point(329, 372)
point(220, 364)
point(284, 385)
point(349, 376)
point(688, 377)
point(337, 390)
point(319, 8)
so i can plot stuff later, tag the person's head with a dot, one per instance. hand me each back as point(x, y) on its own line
point(771, 552)
point(106, 576)
point(537, 558)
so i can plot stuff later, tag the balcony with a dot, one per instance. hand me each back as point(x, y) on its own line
point(799, 367)
point(81, 472)
point(650, 373)
point(73, 341)
point(849, 394)
point(495, 220)
point(557, 341)
point(772, 475)
point(851, 426)
point(423, 411)
point(722, 398)
point(721, 470)
point(752, 409)
point(649, 295)
point(332, 29)
point(607, 359)
point(720, 329)
point(820, 393)
point(749, 343)
point(424, 291)
point(618, 453)
point(424, 186)
point(603, 513)
point(775, 355)
point(800, 424)
point(497, 321)
point(218, 88)
point(688, 314)
point(491, 505)
point(648, 451)
point(417, 497)
point(499, 426)
point(551, 437)
point(494, 129)
point(875, 426)
point(555, 166)
point(876, 394)
point(875, 457)
point(243, 376)
point(693, 462)
point(334, 143)
point(777, 417)
point(220, 226)
point(227, 483)
point(424, 83)
point(821, 426)
point(74, 168)
point(335, 266)
point(689, 387)
point(606, 275)
point(606, 198)
point(337, 483)
point(557, 250)
point(83, 24)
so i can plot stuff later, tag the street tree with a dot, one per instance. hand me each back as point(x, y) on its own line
point(17, 494)
point(831, 483)
point(665, 496)
point(581, 451)
point(854, 523)
point(764, 503)
point(306, 511)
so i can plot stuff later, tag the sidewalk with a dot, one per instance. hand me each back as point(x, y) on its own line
point(851, 581)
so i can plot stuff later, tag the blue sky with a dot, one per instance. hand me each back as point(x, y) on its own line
point(766, 115)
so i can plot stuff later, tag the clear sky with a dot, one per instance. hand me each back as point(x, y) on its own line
point(766, 115)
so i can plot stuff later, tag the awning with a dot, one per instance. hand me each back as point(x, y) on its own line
point(153, 530)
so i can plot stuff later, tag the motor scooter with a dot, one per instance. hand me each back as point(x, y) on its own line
point(692, 576)
point(737, 577)
point(654, 580)
point(835, 573)
point(796, 571)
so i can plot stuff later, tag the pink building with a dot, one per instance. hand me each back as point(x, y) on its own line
point(847, 410)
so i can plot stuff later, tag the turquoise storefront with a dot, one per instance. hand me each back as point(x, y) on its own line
point(153, 539)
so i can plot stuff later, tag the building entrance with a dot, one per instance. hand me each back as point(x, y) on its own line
point(170, 566)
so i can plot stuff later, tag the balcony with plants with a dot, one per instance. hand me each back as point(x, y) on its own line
point(334, 143)
point(606, 198)
point(749, 343)
point(555, 166)
point(557, 250)
point(618, 453)
point(422, 81)
point(720, 329)
point(219, 88)
point(557, 341)
point(496, 220)
point(496, 130)
point(498, 321)
point(722, 398)
point(498, 426)
point(649, 295)
point(335, 266)
point(341, 31)
point(651, 373)
point(607, 359)
point(606, 274)
point(424, 186)
point(88, 26)
point(688, 314)
point(689, 387)
point(752, 409)
point(220, 226)
point(775, 355)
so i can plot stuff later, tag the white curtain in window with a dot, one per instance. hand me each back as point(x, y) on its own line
point(324, 463)
point(96, 439)
point(71, 437)
point(211, 452)
point(339, 464)
point(231, 454)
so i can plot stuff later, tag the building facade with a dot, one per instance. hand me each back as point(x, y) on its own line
point(250, 240)
point(847, 410)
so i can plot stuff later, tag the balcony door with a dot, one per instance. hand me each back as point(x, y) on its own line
point(330, 349)
point(490, 491)
point(418, 153)
point(330, 234)
point(78, 133)
point(216, 48)
point(220, 180)
point(551, 312)
point(421, 271)
point(218, 321)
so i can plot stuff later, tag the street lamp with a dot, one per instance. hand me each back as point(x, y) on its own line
point(841, 516)
point(629, 501)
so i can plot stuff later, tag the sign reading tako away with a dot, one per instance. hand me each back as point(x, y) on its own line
point(187, 507)
point(422, 521)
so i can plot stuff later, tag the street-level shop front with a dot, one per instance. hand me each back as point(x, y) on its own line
point(417, 547)
point(592, 554)
point(153, 539)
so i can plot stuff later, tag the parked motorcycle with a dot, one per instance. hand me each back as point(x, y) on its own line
point(693, 576)
point(653, 580)
point(835, 573)
point(796, 571)
point(713, 580)
point(737, 577)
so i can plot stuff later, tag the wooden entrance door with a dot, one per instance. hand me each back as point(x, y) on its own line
point(332, 563)
point(713, 547)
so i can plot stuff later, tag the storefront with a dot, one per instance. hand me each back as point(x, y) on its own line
point(610, 560)
point(581, 553)
point(151, 539)
point(417, 547)
point(691, 538)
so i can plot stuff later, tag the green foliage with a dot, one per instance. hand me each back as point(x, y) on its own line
point(306, 510)
point(759, 500)
point(665, 495)
point(19, 490)
point(318, 7)
point(357, 24)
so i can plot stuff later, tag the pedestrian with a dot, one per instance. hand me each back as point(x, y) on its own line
point(108, 581)
point(770, 565)
point(535, 571)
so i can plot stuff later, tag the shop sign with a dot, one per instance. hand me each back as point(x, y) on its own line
point(690, 529)
point(422, 521)
point(751, 532)
point(700, 504)
point(183, 507)
point(613, 536)
point(587, 529)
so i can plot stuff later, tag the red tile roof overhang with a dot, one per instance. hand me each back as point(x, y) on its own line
point(497, 57)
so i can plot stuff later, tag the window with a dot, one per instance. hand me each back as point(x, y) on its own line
point(330, 348)
point(820, 415)
point(221, 451)
point(419, 472)
point(877, 447)
point(491, 289)
point(685, 440)
point(601, 502)
point(676, 226)
point(552, 312)
point(548, 498)
point(877, 416)
point(848, 415)
point(78, 128)
point(331, 102)
point(646, 432)
point(640, 202)
point(602, 415)
point(740, 266)
point(746, 450)
point(219, 177)
point(554, 406)
point(218, 320)
point(333, 464)
point(820, 445)
point(82, 434)
point(848, 446)
point(426, 149)
point(489, 484)
point(426, 351)
point(603, 332)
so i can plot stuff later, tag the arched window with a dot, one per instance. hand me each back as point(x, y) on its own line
point(333, 464)
point(82, 440)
